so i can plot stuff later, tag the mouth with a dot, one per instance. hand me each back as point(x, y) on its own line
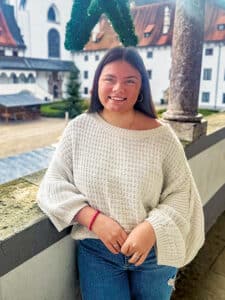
point(118, 99)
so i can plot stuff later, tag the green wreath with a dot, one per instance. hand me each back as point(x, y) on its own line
point(85, 15)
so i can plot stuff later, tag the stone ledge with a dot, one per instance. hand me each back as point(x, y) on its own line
point(189, 131)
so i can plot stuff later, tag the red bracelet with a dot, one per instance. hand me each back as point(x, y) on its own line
point(93, 219)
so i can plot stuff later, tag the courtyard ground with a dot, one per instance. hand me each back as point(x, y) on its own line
point(22, 136)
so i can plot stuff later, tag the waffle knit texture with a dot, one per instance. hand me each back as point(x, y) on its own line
point(129, 175)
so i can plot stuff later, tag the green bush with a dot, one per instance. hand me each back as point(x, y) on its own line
point(58, 109)
point(53, 110)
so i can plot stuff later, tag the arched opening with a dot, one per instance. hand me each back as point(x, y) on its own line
point(55, 91)
point(53, 43)
point(3, 78)
point(22, 78)
point(13, 78)
point(31, 78)
point(53, 14)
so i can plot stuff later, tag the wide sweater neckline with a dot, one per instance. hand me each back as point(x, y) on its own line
point(132, 133)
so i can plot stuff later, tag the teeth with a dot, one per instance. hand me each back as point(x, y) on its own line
point(117, 98)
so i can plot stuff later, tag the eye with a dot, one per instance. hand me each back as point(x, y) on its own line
point(108, 79)
point(130, 82)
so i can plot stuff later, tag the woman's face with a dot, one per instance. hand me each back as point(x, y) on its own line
point(119, 86)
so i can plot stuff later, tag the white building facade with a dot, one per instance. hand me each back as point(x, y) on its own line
point(42, 25)
point(156, 53)
point(33, 57)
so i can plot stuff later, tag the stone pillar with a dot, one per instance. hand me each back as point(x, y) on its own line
point(188, 38)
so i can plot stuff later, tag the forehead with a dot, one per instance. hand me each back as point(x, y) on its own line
point(120, 68)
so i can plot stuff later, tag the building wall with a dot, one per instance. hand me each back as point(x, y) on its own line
point(87, 61)
point(160, 64)
point(34, 25)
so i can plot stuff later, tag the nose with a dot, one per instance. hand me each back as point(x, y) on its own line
point(118, 86)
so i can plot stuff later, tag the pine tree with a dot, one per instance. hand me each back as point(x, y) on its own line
point(74, 103)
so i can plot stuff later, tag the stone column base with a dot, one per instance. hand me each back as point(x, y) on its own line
point(188, 131)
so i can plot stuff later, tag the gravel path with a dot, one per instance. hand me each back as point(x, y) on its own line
point(23, 136)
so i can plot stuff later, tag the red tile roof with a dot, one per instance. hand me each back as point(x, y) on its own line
point(6, 38)
point(214, 16)
point(150, 19)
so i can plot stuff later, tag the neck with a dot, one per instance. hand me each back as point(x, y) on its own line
point(120, 119)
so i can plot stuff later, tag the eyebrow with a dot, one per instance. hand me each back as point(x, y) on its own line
point(127, 77)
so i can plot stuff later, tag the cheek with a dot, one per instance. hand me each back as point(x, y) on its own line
point(103, 91)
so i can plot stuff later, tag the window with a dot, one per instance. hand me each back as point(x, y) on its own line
point(86, 57)
point(51, 15)
point(221, 27)
point(85, 74)
point(149, 74)
point(22, 4)
point(15, 53)
point(85, 90)
point(223, 100)
point(149, 54)
point(96, 57)
point(207, 74)
point(2, 52)
point(53, 43)
point(147, 34)
point(209, 51)
point(148, 30)
point(205, 97)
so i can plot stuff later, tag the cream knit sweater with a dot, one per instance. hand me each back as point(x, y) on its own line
point(129, 175)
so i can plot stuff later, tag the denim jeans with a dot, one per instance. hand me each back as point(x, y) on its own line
point(107, 276)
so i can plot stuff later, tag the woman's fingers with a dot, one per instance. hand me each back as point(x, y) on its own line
point(121, 240)
point(140, 260)
point(124, 235)
point(125, 249)
point(116, 246)
point(111, 248)
point(134, 258)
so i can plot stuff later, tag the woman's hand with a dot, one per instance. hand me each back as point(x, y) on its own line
point(139, 243)
point(110, 233)
point(108, 230)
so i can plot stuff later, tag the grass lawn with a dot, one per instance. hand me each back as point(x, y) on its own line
point(204, 112)
point(53, 110)
point(57, 110)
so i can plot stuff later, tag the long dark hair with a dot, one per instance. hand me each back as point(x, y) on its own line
point(131, 56)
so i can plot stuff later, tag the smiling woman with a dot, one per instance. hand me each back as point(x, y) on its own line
point(121, 177)
point(119, 87)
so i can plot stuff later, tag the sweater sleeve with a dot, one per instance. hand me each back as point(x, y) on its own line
point(58, 197)
point(178, 218)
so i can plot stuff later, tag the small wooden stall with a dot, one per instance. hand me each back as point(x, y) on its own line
point(21, 106)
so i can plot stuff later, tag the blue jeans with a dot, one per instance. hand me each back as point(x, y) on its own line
point(107, 276)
